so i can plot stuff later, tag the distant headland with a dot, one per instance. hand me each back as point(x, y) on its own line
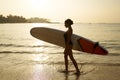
point(20, 19)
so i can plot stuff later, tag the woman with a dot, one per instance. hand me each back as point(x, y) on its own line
point(69, 45)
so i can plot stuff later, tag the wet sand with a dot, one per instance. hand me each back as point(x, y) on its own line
point(39, 71)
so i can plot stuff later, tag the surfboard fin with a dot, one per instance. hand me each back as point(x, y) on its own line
point(96, 44)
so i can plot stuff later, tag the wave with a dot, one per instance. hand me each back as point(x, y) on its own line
point(29, 46)
point(20, 52)
point(42, 52)
point(29, 52)
point(100, 64)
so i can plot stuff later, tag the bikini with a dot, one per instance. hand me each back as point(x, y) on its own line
point(66, 38)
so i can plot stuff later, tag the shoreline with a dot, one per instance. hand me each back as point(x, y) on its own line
point(32, 71)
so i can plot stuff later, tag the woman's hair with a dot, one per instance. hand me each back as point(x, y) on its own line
point(69, 21)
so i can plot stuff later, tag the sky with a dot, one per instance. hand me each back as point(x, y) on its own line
point(83, 11)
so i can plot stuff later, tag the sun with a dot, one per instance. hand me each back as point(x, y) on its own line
point(39, 4)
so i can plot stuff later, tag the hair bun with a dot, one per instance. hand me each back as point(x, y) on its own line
point(69, 21)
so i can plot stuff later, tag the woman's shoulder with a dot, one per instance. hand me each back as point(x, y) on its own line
point(70, 30)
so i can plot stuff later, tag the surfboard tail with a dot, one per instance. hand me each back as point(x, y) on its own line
point(101, 51)
point(91, 47)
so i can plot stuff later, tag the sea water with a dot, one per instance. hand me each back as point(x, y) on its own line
point(17, 46)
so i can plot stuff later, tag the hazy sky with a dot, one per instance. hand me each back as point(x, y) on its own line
point(58, 10)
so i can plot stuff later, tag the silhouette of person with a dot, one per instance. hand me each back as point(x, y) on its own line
point(69, 45)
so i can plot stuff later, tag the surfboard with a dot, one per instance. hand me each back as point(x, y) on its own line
point(56, 37)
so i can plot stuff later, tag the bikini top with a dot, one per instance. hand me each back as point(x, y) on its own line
point(66, 37)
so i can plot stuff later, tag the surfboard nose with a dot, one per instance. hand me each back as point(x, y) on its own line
point(31, 31)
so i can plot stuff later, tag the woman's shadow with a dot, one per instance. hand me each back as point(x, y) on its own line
point(77, 75)
point(76, 78)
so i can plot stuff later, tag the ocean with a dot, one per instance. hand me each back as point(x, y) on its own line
point(17, 46)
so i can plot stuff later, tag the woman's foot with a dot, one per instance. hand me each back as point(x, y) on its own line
point(78, 72)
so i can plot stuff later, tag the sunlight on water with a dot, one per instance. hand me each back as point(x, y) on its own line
point(44, 72)
point(39, 57)
point(38, 73)
point(40, 48)
point(40, 25)
point(39, 43)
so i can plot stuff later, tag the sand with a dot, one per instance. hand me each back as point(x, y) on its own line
point(23, 67)
point(31, 71)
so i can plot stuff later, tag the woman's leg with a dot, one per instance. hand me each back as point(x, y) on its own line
point(73, 60)
point(66, 59)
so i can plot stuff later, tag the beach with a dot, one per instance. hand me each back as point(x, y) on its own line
point(22, 57)
point(35, 70)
